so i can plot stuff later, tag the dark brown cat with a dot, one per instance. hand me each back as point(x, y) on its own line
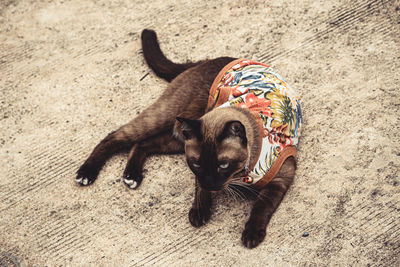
point(220, 143)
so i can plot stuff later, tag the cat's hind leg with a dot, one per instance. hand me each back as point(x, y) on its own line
point(150, 122)
point(111, 144)
point(161, 144)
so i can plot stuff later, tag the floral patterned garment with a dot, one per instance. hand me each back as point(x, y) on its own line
point(257, 87)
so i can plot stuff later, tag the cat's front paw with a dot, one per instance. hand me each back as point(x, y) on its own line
point(252, 237)
point(132, 177)
point(86, 175)
point(199, 217)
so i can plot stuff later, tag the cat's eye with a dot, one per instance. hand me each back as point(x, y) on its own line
point(224, 165)
point(196, 165)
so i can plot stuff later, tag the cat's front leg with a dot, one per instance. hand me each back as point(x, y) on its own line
point(255, 228)
point(267, 202)
point(200, 212)
point(265, 205)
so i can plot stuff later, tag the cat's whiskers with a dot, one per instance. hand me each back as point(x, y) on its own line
point(244, 186)
point(239, 194)
point(248, 188)
point(236, 194)
point(231, 193)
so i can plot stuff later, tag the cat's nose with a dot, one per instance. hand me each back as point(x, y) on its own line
point(212, 188)
point(211, 183)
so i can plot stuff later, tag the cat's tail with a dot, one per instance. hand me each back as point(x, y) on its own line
point(162, 66)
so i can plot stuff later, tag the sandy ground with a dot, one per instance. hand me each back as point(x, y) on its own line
point(71, 72)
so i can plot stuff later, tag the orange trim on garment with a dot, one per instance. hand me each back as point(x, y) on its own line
point(283, 155)
point(220, 98)
point(260, 126)
point(223, 95)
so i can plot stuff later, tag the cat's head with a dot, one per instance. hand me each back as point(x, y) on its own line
point(216, 148)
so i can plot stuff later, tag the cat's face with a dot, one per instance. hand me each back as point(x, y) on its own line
point(213, 154)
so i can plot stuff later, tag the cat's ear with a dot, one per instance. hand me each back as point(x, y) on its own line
point(234, 129)
point(190, 128)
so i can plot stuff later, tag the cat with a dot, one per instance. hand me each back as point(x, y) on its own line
point(219, 131)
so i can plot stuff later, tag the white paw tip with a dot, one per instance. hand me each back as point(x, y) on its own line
point(134, 185)
point(78, 180)
point(127, 181)
point(85, 181)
